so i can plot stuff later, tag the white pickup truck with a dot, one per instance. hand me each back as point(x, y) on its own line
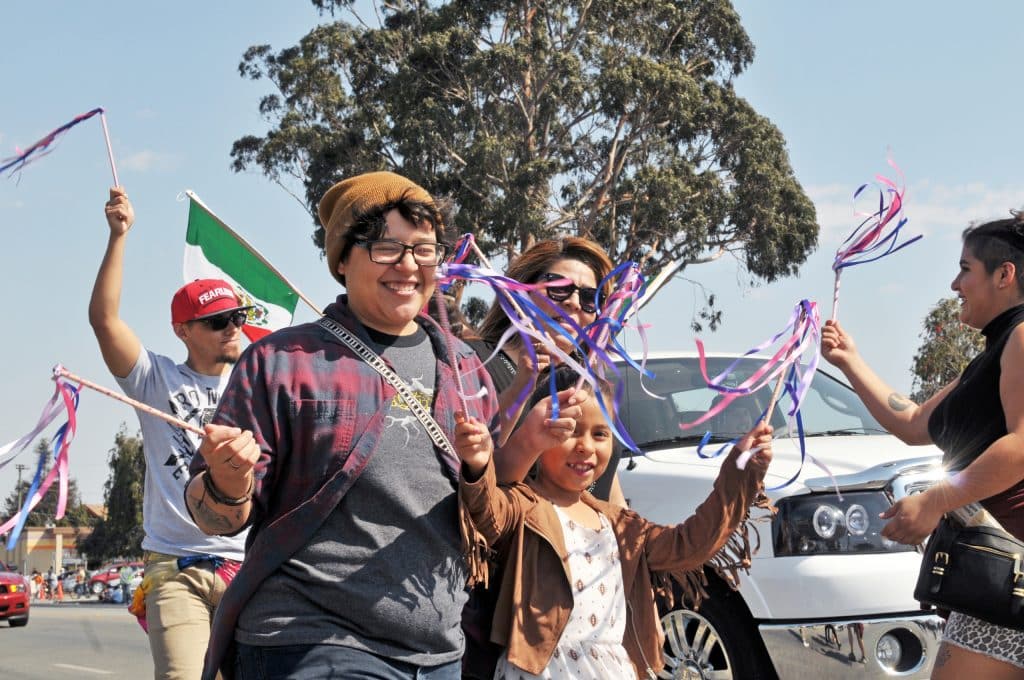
point(827, 596)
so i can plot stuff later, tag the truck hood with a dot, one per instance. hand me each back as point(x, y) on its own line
point(831, 455)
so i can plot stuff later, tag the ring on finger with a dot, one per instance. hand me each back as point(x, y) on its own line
point(234, 466)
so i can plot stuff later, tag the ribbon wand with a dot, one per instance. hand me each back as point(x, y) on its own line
point(44, 146)
point(877, 235)
point(110, 150)
point(767, 417)
point(60, 372)
point(467, 243)
point(835, 295)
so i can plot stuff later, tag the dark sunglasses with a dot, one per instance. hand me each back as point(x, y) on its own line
point(221, 321)
point(588, 296)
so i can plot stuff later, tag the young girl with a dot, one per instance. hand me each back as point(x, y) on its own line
point(579, 577)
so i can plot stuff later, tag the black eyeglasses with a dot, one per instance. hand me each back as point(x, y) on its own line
point(221, 321)
point(588, 296)
point(388, 251)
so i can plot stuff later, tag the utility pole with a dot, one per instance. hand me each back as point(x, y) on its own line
point(19, 467)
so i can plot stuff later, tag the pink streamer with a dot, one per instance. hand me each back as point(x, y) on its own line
point(804, 330)
point(41, 148)
point(59, 471)
point(11, 450)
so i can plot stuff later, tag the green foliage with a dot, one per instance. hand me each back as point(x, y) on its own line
point(75, 514)
point(475, 310)
point(613, 119)
point(121, 533)
point(947, 346)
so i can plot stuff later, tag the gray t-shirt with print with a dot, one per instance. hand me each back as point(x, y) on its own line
point(385, 572)
point(176, 389)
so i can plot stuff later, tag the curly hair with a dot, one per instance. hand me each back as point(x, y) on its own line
point(372, 225)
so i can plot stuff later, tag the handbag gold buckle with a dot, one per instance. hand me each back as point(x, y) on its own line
point(943, 558)
point(1017, 576)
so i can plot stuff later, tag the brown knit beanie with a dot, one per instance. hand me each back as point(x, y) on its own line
point(357, 196)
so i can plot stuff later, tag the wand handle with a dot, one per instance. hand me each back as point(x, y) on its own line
point(60, 371)
point(835, 296)
point(775, 397)
point(110, 150)
point(442, 312)
point(506, 430)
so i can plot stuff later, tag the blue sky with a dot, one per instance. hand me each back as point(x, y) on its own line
point(845, 82)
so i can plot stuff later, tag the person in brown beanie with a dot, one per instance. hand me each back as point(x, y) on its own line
point(330, 446)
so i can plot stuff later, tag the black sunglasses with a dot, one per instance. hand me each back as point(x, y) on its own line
point(588, 296)
point(221, 321)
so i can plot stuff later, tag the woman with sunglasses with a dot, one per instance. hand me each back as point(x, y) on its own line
point(584, 263)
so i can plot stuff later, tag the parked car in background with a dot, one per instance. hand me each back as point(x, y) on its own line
point(110, 574)
point(14, 598)
point(826, 596)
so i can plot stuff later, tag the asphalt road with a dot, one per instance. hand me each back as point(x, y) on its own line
point(81, 640)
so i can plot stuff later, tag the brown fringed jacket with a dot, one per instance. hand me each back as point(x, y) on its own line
point(536, 598)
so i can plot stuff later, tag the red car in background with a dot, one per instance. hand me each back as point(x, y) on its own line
point(110, 575)
point(14, 597)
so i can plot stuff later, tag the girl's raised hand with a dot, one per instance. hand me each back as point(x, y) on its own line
point(759, 438)
point(547, 431)
point(473, 443)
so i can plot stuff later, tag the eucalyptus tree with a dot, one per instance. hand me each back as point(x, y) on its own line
point(612, 119)
point(947, 346)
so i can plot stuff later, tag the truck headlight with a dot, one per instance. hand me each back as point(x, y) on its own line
point(822, 524)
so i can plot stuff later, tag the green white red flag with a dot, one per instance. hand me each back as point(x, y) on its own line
point(214, 251)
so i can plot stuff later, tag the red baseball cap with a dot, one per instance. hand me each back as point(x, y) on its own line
point(203, 298)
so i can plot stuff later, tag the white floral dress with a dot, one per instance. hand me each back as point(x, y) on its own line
point(591, 645)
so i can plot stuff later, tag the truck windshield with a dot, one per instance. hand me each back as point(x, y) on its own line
point(830, 407)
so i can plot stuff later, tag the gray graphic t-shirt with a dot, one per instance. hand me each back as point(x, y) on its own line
point(157, 381)
point(385, 572)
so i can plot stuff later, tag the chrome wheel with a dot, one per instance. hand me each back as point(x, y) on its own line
point(693, 648)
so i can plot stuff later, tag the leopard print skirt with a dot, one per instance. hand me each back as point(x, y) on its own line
point(997, 642)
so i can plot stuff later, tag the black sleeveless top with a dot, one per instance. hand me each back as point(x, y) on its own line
point(971, 418)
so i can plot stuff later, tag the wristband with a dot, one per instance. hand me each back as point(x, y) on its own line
point(220, 498)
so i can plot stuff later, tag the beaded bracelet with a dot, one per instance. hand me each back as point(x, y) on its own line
point(220, 498)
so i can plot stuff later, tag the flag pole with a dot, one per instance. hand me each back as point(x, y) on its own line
point(255, 253)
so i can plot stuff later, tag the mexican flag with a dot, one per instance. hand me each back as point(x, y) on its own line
point(214, 251)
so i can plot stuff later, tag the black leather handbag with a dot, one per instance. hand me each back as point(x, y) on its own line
point(978, 571)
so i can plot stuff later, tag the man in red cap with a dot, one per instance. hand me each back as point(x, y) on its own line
point(187, 570)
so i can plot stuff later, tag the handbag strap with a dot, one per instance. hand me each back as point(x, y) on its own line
point(376, 363)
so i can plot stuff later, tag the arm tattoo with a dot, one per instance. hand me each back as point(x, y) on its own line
point(943, 656)
point(897, 402)
point(222, 524)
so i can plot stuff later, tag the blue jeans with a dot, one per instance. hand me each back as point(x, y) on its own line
point(324, 662)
